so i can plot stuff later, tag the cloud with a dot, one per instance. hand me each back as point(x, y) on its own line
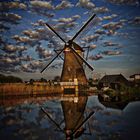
point(43, 53)
point(31, 34)
point(110, 17)
point(68, 20)
point(6, 60)
point(111, 52)
point(86, 4)
point(49, 15)
point(124, 35)
point(22, 48)
point(92, 46)
point(91, 38)
point(32, 67)
point(110, 43)
point(34, 37)
point(65, 27)
point(21, 39)
point(63, 5)
point(135, 21)
point(43, 12)
point(26, 68)
point(65, 24)
point(42, 4)
point(10, 48)
point(5, 6)
point(41, 33)
point(112, 27)
point(26, 40)
point(26, 58)
point(129, 2)
point(39, 23)
point(10, 17)
point(55, 44)
point(95, 57)
point(36, 64)
point(56, 66)
point(100, 32)
point(100, 10)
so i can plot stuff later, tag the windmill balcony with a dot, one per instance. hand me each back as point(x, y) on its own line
point(70, 87)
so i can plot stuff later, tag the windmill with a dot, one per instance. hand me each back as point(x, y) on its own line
point(73, 58)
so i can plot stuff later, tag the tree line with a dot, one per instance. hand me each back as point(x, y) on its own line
point(10, 79)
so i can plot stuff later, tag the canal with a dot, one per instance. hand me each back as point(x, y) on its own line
point(60, 118)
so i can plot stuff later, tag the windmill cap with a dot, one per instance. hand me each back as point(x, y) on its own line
point(75, 46)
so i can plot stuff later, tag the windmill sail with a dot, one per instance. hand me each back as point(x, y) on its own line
point(73, 58)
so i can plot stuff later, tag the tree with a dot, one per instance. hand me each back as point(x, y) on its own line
point(57, 78)
point(10, 79)
point(32, 81)
point(43, 80)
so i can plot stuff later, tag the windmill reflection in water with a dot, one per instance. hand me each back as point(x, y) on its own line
point(75, 117)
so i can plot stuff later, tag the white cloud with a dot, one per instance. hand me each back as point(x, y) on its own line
point(43, 53)
point(10, 18)
point(111, 52)
point(63, 5)
point(91, 38)
point(10, 48)
point(100, 32)
point(12, 5)
point(95, 57)
point(110, 43)
point(86, 4)
point(68, 20)
point(42, 4)
point(112, 27)
point(92, 46)
point(31, 34)
point(110, 17)
point(100, 10)
point(12, 61)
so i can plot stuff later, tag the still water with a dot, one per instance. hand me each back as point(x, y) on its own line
point(61, 118)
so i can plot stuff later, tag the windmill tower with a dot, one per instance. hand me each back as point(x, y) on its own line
point(73, 65)
point(73, 58)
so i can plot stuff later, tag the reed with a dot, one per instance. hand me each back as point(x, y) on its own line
point(21, 89)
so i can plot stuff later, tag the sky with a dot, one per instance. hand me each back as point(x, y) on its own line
point(27, 45)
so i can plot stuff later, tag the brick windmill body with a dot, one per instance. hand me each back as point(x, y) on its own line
point(73, 66)
point(73, 71)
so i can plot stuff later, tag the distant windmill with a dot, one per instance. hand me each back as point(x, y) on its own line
point(73, 58)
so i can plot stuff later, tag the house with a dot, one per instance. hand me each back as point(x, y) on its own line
point(135, 80)
point(135, 77)
point(112, 81)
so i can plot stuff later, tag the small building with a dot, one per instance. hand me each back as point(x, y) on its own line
point(135, 80)
point(135, 77)
point(112, 81)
